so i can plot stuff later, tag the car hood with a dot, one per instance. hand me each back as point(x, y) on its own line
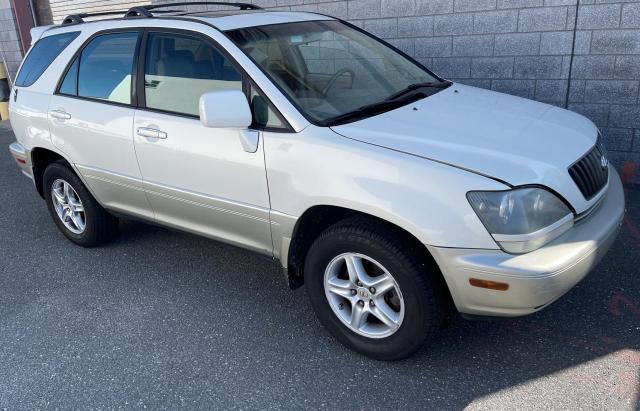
point(508, 138)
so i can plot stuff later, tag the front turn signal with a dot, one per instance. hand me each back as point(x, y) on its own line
point(491, 285)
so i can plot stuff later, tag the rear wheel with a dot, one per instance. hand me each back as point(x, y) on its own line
point(74, 210)
point(372, 290)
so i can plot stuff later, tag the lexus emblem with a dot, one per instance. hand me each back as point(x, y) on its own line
point(604, 161)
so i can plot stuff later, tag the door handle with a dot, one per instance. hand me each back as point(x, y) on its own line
point(60, 114)
point(151, 133)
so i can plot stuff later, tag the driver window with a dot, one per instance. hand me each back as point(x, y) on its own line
point(181, 68)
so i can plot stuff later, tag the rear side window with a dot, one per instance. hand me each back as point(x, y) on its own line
point(40, 57)
point(70, 83)
point(104, 69)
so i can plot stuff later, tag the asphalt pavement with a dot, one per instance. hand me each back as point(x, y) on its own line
point(161, 319)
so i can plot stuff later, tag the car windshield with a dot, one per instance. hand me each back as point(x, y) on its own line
point(332, 72)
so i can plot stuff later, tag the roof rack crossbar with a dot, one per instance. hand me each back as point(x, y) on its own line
point(145, 11)
point(79, 17)
point(142, 12)
point(241, 6)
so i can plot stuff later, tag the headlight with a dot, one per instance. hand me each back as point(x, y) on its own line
point(523, 219)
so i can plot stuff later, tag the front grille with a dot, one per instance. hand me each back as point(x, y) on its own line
point(591, 172)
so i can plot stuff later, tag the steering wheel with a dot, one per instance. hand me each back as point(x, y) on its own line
point(335, 78)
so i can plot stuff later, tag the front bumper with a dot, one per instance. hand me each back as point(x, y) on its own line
point(540, 277)
point(22, 157)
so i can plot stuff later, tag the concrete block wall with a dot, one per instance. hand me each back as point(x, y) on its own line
point(579, 54)
point(62, 8)
point(521, 47)
point(606, 73)
point(9, 42)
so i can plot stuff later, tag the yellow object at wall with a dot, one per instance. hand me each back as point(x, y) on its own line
point(4, 105)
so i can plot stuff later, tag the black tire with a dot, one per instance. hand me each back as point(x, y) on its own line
point(101, 226)
point(419, 281)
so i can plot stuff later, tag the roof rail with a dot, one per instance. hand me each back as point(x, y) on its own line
point(79, 18)
point(241, 6)
point(145, 11)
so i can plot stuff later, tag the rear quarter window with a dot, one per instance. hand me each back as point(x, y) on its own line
point(41, 55)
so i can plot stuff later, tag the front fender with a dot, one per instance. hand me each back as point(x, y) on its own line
point(426, 198)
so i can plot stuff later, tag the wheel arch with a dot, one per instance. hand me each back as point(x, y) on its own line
point(318, 218)
point(40, 159)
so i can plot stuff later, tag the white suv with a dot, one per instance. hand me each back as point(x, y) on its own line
point(392, 194)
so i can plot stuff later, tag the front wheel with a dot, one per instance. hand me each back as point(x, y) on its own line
point(371, 288)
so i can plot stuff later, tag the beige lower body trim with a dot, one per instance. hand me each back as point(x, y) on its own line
point(232, 222)
point(282, 227)
point(117, 192)
point(220, 219)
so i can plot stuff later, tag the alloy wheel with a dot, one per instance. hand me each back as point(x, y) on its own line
point(364, 295)
point(68, 206)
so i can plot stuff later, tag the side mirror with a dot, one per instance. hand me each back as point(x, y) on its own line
point(225, 109)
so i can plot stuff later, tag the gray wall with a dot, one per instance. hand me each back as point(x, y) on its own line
point(9, 43)
point(521, 47)
point(62, 8)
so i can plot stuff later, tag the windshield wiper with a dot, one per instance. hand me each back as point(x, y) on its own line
point(418, 86)
point(409, 95)
point(371, 110)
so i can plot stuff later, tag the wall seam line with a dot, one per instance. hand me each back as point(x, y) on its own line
point(573, 51)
